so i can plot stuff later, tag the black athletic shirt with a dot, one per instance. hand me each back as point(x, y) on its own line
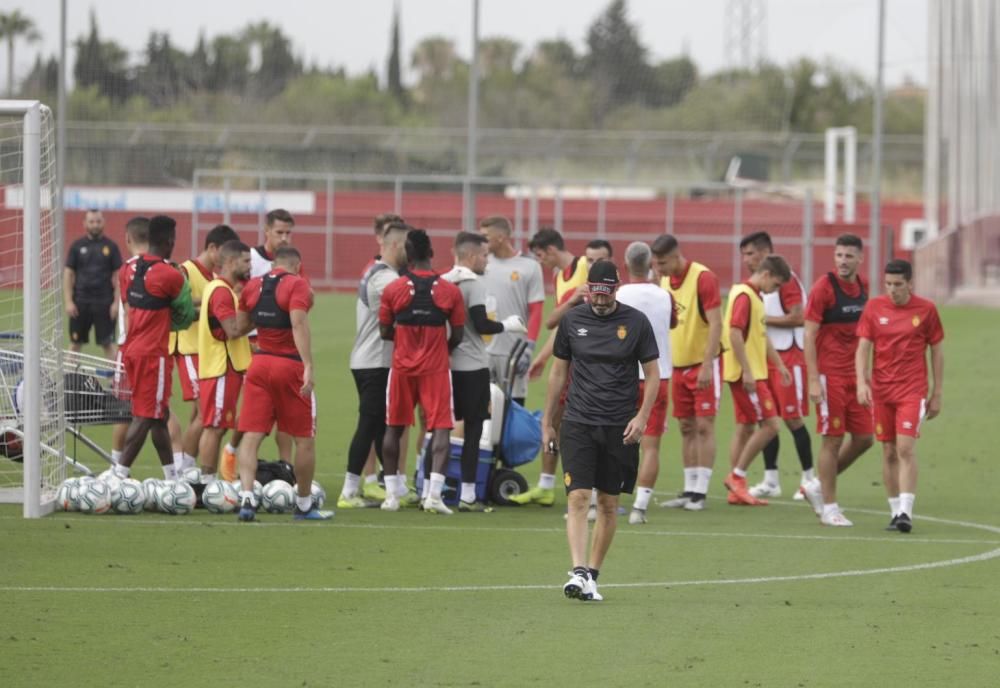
point(604, 384)
point(93, 261)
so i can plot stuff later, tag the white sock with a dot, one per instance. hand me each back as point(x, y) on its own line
point(906, 503)
point(437, 484)
point(116, 456)
point(690, 479)
point(179, 461)
point(189, 461)
point(404, 488)
point(121, 471)
point(170, 472)
point(739, 473)
point(829, 509)
point(425, 491)
point(230, 448)
point(468, 493)
point(894, 506)
point(807, 475)
point(703, 479)
point(392, 485)
point(207, 478)
point(248, 494)
point(593, 497)
point(642, 496)
point(305, 504)
point(771, 477)
point(371, 478)
point(547, 481)
point(351, 482)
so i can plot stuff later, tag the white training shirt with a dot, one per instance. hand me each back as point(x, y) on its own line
point(658, 307)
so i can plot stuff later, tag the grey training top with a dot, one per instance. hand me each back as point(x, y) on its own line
point(471, 353)
point(370, 350)
point(511, 284)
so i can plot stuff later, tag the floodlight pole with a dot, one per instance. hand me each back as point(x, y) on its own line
point(875, 219)
point(469, 200)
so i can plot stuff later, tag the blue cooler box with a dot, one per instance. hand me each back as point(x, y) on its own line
point(453, 471)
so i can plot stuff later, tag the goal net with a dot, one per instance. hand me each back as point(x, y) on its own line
point(32, 418)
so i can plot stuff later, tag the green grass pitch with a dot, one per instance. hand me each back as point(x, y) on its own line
point(726, 597)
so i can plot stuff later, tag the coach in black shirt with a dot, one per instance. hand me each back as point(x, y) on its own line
point(90, 286)
point(605, 341)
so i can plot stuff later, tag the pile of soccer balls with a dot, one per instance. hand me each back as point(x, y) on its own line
point(107, 494)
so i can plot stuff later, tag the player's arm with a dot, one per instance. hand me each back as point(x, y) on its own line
point(636, 426)
point(863, 370)
point(561, 309)
point(303, 344)
point(481, 322)
point(793, 318)
point(775, 359)
point(543, 356)
point(232, 327)
point(557, 380)
point(714, 318)
point(937, 374)
point(244, 323)
point(812, 362)
point(740, 352)
point(69, 280)
point(386, 315)
point(117, 289)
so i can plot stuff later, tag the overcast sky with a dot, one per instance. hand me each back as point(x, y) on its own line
point(355, 33)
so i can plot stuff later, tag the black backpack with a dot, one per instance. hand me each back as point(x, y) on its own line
point(275, 470)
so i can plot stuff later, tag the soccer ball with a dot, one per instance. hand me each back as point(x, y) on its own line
point(128, 497)
point(278, 497)
point(220, 497)
point(191, 475)
point(65, 496)
point(94, 497)
point(111, 479)
point(258, 489)
point(318, 494)
point(150, 486)
point(175, 497)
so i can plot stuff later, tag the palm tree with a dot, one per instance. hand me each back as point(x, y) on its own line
point(14, 25)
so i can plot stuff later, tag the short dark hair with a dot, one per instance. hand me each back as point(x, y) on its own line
point(220, 234)
point(664, 244)
point(385, 219)
point(469, 238)
point(232, 249)
point(397, 227)
point(138, 229)
point(287, 254)
point(279, 215)
point(759, 240)
point(545, 237)
point(898, 266)
point(418, 246)
point(852, 240)
point(777, 266)
point(162, 231)
point(497, 222)
point(602, 243)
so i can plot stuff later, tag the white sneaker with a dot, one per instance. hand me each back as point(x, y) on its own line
point(813, 493)
point(677, 502)
point(592, 514)
point(390, 504)
point(576, 587)
point(799, 495)
point(765, 490)
point(835, 518)
point(637, 517)
point(695, 505)
point(436, 506)
point(591, 591)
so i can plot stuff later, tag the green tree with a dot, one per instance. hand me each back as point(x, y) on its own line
point(277, 63)
point(43, 80)
point(229, 68)
point(616, 61)
point(103, 64)
point(394, 72)
point(15, 26)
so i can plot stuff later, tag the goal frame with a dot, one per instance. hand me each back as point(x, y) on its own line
point(31, 111)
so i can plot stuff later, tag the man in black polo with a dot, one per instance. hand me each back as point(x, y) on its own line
point(90, 286)
point(603, 421)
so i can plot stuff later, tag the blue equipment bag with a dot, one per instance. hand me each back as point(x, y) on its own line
point(522, 435)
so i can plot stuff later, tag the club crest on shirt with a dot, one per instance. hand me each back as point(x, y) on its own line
point(878, 428)
point(622, 332)
point(768, 404)
point(106, 251)
point(836, 422)
point(515, 276)
point(567, 479)
point(916, 320)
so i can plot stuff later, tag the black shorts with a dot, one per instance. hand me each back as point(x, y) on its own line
point(595, 456)
point(471, 394)
point(371, 384)
point(96, 315)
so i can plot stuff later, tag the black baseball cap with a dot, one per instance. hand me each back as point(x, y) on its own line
point(603, 277)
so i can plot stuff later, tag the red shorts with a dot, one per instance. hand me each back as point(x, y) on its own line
point(187, 373)
point(751, 409)
point(899, 418)
point(841, 411)
point(271, 395)
point(218, 398)
point(690, 401)
point(792, 400)
point(149, 378)
point(657, 423)
point(432, 392)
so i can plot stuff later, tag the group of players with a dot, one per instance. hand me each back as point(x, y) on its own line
point(776, 345)
point(231, 319)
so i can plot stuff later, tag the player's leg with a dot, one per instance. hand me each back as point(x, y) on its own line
point(906, 446)
point(436, 397)
point(191, 437)
point(79, 327)
point(601, 538)
point(176, 444)
point(649, 452)
point(706, 408)
point(118, 432)
point(400, 400)
point(284, 442)
point(689, 461)
point(369, 432)
point(475, 411)
point(104, 329)
point(617, 470)
point(246, 461)
point(212, 397)
point(150, 378)
point(890, 478)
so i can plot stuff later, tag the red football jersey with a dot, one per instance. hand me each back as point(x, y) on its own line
point(293, 294)
point(709, 296)
point(221, 307)
point(421, 349)
point(900, 336)
point(149, 330)
point(740, 317)
point(835, 342)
